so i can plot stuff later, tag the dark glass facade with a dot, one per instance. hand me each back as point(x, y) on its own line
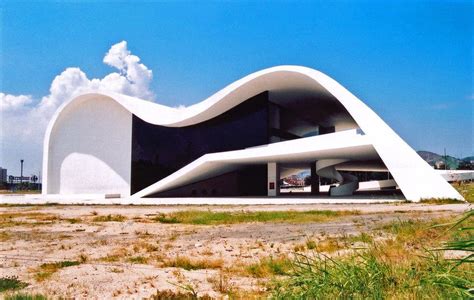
point(158, 151)
point(248, 181)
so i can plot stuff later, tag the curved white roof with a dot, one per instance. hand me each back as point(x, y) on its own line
point(416, 179)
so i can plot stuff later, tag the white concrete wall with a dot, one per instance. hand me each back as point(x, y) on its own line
point(415, 177)
point(89, 150)
point(456, 175)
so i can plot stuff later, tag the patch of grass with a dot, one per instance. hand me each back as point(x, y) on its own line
point(365, 275)
point(402, 267)
point(138, 259)
point(269, 266)
point(144, 246)
point(162, 218)
point(178, 295)
point(418, 231)
point(116, 270)
point(73, 220)
point(48, 269)
point(199, 217)
point(441, 201)
point(221, 283)
point(321, 277)
point(191, 264)
point(4, 236)
point(109, 218)
point(11, 283)
point(362, 237)
point(115, 255)
point(207, 252)
point(111, 258)
point(21, 296)
point(26, 219)
point(330, 245)
point(407, 240)
point(299, 247)
point(466, 190)
point(83, 258)
point(142, 233)
point(310, 244)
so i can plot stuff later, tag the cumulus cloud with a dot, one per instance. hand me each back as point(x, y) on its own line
point(13, 103)
point(24, 118)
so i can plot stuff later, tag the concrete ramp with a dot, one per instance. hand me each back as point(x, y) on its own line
point(347, 183)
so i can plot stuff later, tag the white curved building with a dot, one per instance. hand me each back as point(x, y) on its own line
point(239, 142)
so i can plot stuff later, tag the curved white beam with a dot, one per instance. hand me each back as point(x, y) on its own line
point(414, 176)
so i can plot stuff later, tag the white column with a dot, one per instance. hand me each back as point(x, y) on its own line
point(273, 181)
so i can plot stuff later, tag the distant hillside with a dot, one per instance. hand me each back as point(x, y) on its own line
point(430, 157)
point(452, 162)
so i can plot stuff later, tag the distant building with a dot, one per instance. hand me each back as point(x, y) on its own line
point(3, 175)
point(440, 164)
point(294, 181)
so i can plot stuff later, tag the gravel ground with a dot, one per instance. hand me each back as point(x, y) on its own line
point(72, 234)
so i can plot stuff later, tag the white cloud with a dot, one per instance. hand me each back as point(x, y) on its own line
point(24, 119)
point(12, 103)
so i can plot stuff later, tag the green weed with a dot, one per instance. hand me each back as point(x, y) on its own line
point(48, 269)
point(10, 283)
point(199, 217)
point(400, 268)
point(269, 266)
point(109, 218)
point(138, 260)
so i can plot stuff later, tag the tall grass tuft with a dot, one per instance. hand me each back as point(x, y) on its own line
point(319, 276)
point(368, 274)
point(464, 245)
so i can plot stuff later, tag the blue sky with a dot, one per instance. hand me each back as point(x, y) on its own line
point(409, 61)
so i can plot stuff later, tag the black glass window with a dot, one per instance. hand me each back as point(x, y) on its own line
point(248, 181)
point(158, 151)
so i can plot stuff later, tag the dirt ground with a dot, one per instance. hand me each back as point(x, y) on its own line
point(126, 258)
